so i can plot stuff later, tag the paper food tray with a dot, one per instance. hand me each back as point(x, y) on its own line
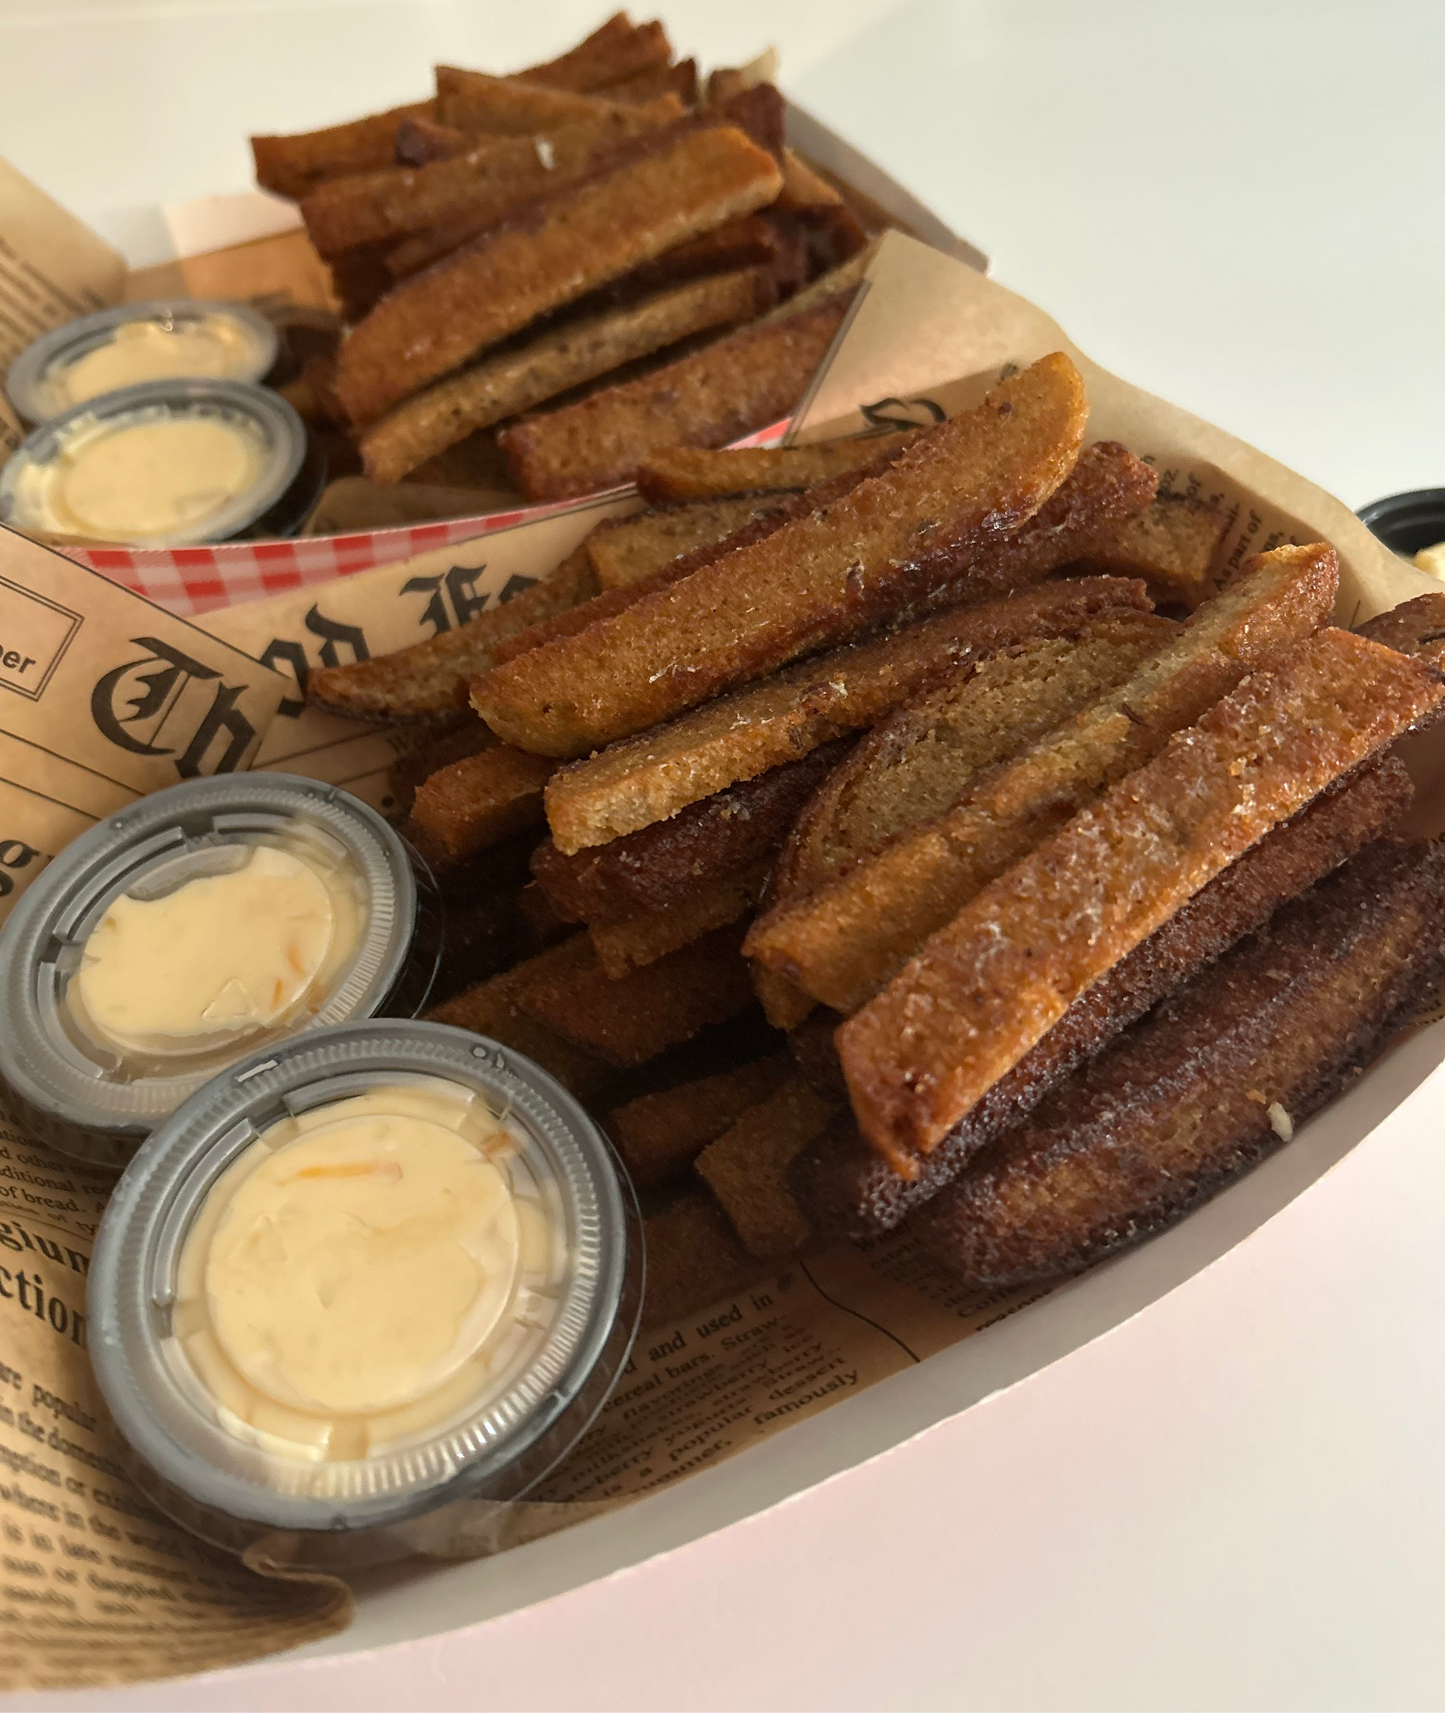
point(838, 1358)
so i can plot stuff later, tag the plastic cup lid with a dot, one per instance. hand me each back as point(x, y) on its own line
point(264, 416)
point(539, 1394)
point(195, 829)
point(31, 381)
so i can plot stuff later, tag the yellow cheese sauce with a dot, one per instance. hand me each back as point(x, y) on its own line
point(220, 958)
point(1432, 559)
point(142, 478)
point(213, 347)
point(363, 1273)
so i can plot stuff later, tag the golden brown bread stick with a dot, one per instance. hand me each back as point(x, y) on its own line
point(1172, 545)
point(850, 1190)
point(746, 1168)
point(659, 1135)
point(488, 180)
point(567, 244)
point(624, 550)
point(818, 580)
point(509, 106)
point(479, 801)
point(695, 473)
point(848, 937)
point(730, 388)
point(429, 679)
point(987, 987)
point(1221, 1074)
point(616, 49)
point(497, 387)
point(294, 165)
point(633, 942)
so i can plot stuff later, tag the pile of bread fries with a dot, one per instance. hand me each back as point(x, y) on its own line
point(925, 833)
point(638, 253)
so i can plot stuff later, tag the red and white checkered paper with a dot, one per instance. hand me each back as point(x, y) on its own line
point(193, 580)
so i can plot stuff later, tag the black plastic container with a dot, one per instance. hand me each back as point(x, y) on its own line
point(1407, 522)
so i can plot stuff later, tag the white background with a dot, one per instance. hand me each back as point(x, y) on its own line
point(1235, 1499)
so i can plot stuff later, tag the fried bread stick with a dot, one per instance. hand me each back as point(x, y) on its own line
point(294, 165)
point(613, 601)
point(632, 1020)
point(422, 141)
point(409, 772)
point(1172, 545)
point(483, 184)
point(478, 801)
point(490, 1008)
point(1218, 1077)
point(429, 679)
point(849, 1190)
point(924, 757)
point(728, 389)
point(746, 1168)
point(565, 245)
point(624, 550)
point(694, 473)
point(693, 1259)
point(651, 777)
point(615, 50)
point(1414, 627)
point(636, 941)
point(1107, 483)
point(509, 106)
point(679, 80)
point(986, 989)
point(666, 863)
point(659, 1135)
point(498, 387)
point(818, 580)
point(846, 939)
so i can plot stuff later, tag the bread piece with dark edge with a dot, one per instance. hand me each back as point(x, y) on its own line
point(660, 1135)
point(478, 801)
point(696, 473)
point(666, 863)
point(429, 680)
point(845, 940)
point(849, 1190)
point(816, 581)
point(477, 397)
point(647, 779)
point(420, 142)
point(743, 382)
point(615, 50)
point(693, 1258)
point(565, 245)
point(1172, 545)
point(507, 106)
point(1220, 1075)
point(624, 550)
point(922, 759)
point(440, 748)
point(1414, 627)
point(490, 1008)
point(488, 180)
point(293, 165)
point(636, 941)
point(612, 601)
point(632, 1020)
point(746, 1168)
point(990, 985)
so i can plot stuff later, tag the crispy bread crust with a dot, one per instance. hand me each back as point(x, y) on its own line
point(738, 384)
point(1213, 1080)
point(509, 107)
point(615, 50)
point(694, 473)
point(746, 1168)
point(479, 801)
point(650, 777)
point(846, 939)
point(1172, 545)
point(631, 1020)
point(565, 245)
point(921, 760)
point(816, 581)
point(624, 550)
point(498, 387)
point(636, 941)
point(983, 991)
point(293, 165)
point(693, 1258)
point(660, 1135)
point(1414, 627)
point(849, 1190)
point(666, 863)
point(429, 680)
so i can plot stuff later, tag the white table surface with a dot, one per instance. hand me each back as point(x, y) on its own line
point(1235, 1499)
